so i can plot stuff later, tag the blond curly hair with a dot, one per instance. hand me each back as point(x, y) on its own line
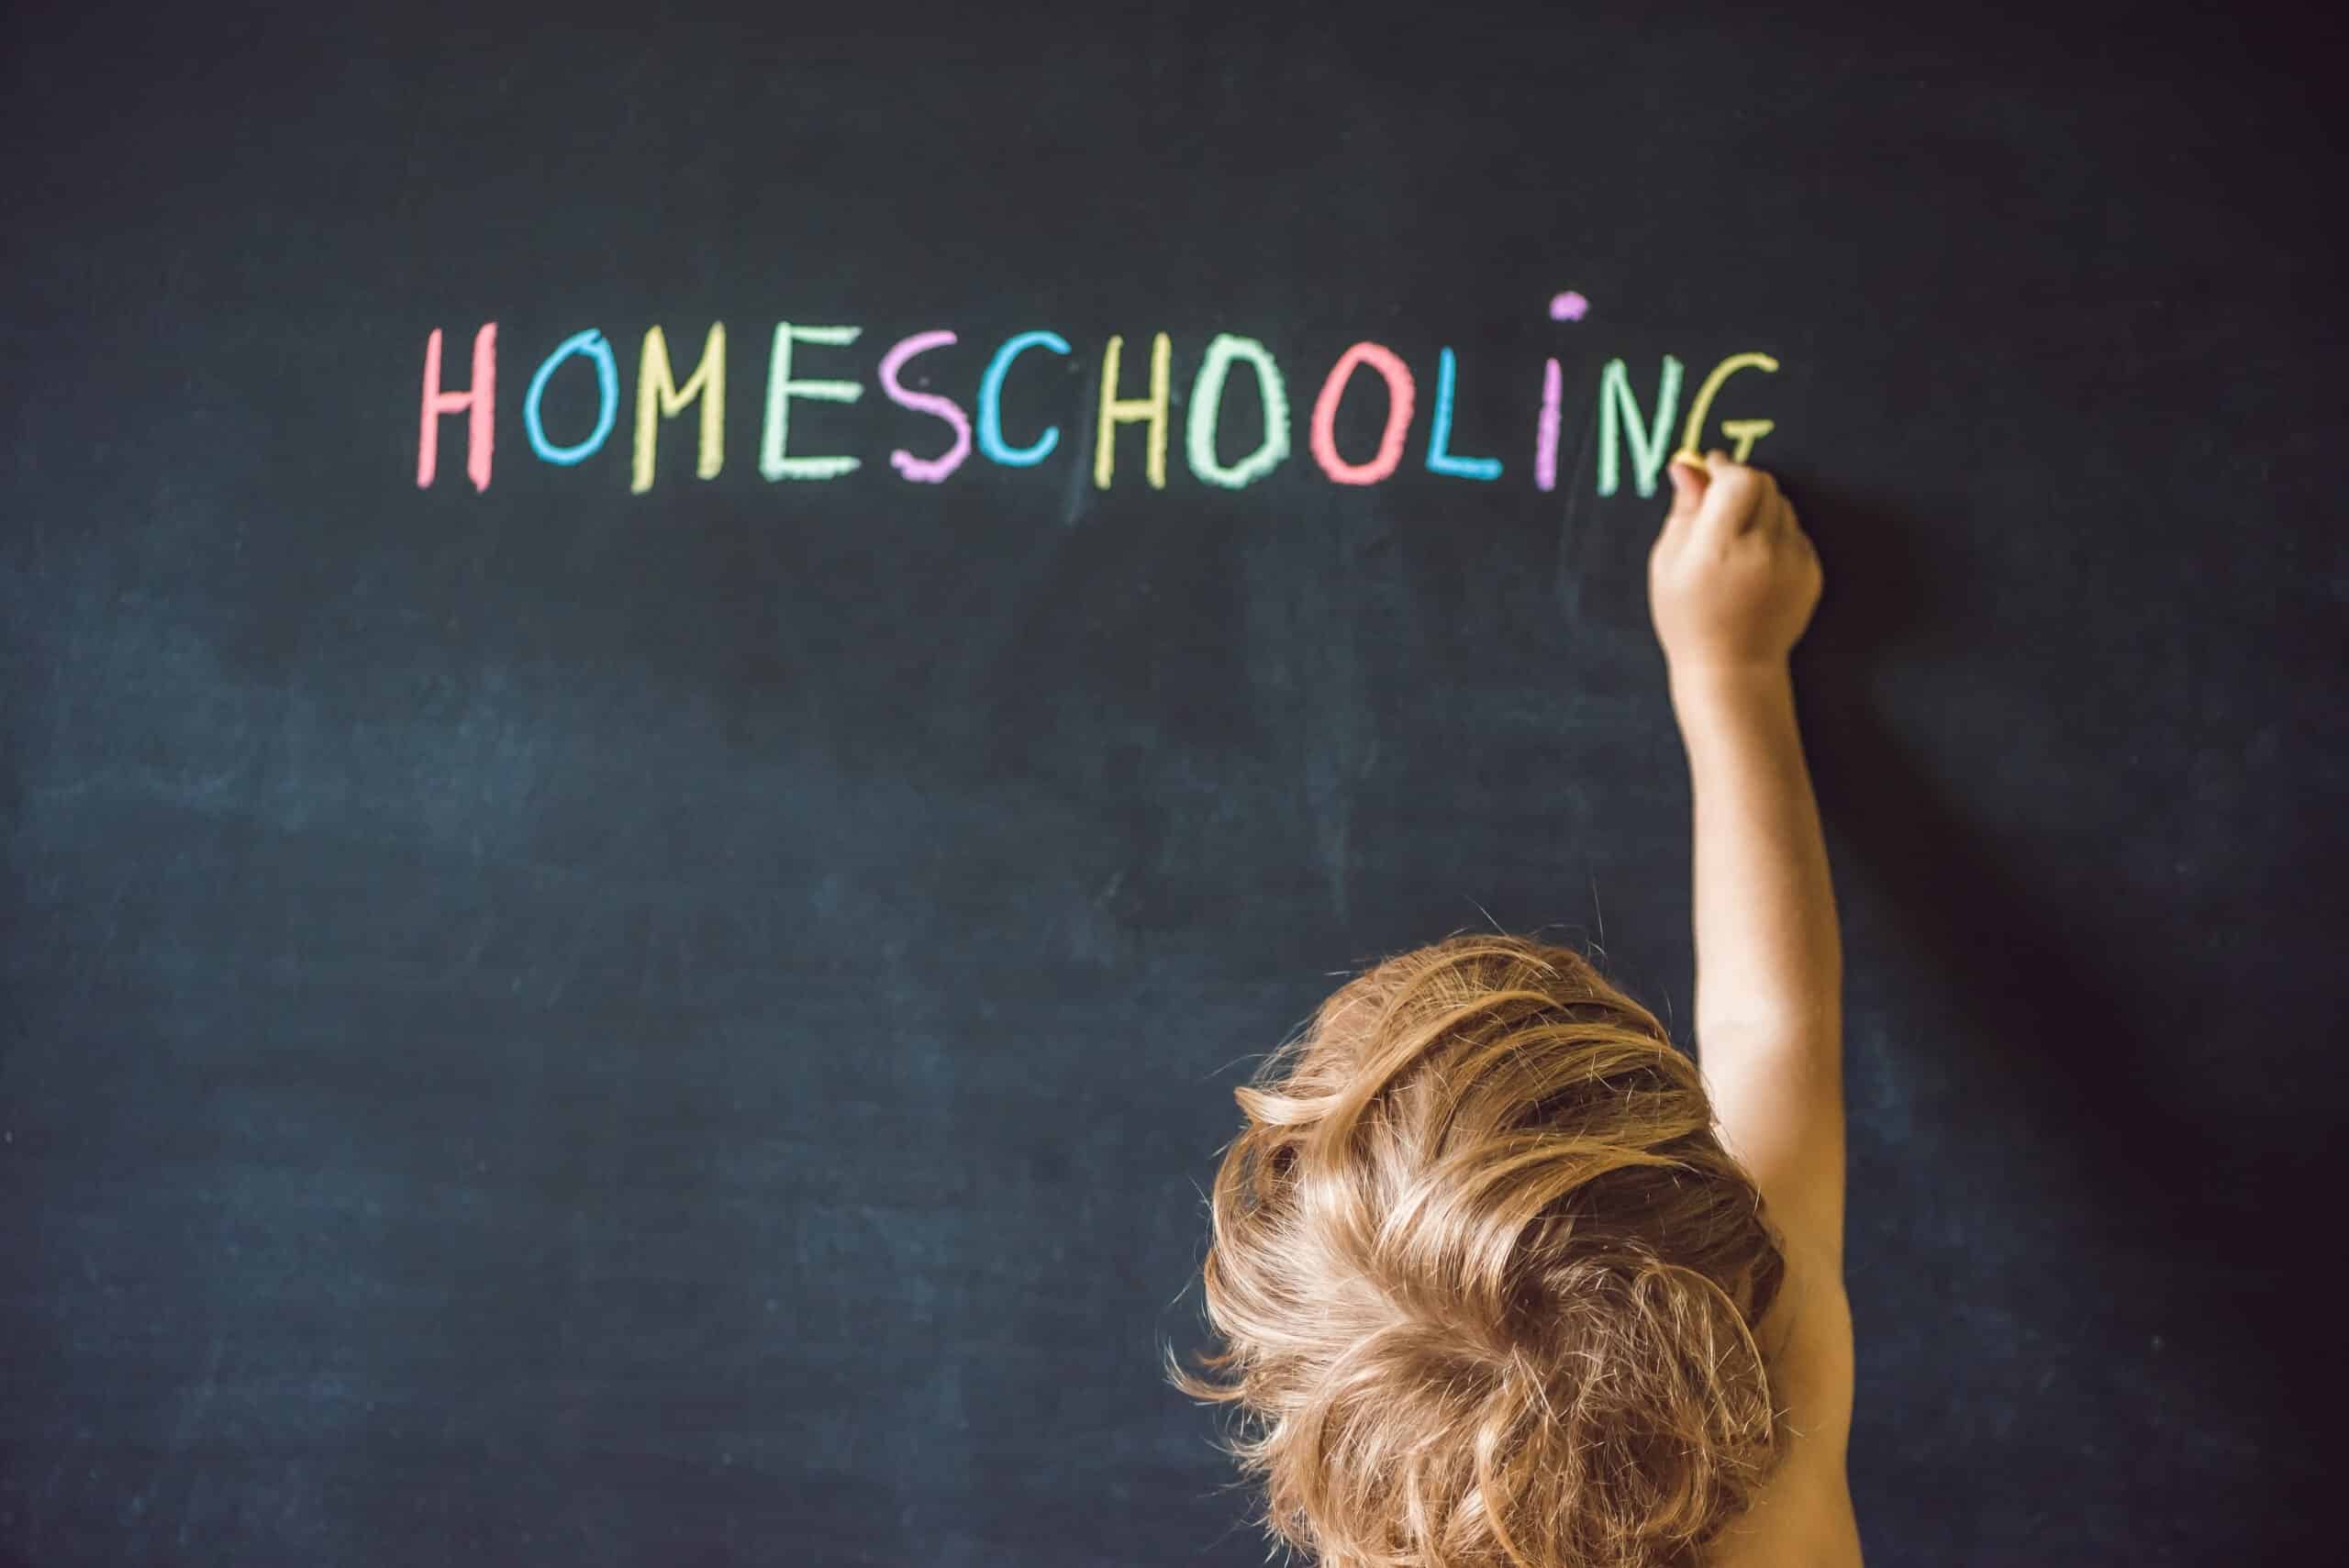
point(1485, 1278)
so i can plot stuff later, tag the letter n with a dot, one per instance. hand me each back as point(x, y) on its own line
point(1619, 418)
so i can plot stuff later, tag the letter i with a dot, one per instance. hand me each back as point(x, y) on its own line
point(1545, 438)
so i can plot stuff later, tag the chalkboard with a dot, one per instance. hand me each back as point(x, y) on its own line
point(639, 865)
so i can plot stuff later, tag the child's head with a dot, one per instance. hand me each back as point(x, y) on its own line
point(1487, 1278)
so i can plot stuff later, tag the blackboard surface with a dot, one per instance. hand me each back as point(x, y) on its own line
point(553, 1023)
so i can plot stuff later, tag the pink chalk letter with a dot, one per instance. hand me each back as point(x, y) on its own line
point(924, 470)
point(478, 402)
point(1545, 430)
point(1398, 415)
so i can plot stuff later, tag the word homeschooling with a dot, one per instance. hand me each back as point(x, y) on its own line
point(659, 395)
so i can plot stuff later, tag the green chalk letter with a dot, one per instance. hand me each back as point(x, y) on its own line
point(782, 388)
point(1206, 404)
point(1619, 411)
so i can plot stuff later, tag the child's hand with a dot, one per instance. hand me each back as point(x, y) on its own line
point(1732, 578)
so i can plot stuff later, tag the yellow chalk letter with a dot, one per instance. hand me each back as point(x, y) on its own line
point(657, 397)
point(1744, 432)
point(1116, 411)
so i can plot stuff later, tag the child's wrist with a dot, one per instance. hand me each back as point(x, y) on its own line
point(1723, 704)
point(1709, 680)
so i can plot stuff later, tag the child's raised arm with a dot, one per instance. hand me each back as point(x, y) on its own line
point(1732, 582)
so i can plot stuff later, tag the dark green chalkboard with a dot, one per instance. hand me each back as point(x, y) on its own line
point(557, 1023)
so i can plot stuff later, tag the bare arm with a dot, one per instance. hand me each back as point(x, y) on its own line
point(1769, 961)
point(1733, 582)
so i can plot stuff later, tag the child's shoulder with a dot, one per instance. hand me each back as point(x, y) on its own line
point(1803, 1514)
point(1803, 1519)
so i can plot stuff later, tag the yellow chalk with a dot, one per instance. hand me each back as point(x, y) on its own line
point(1694, 431)
point(1746, 432)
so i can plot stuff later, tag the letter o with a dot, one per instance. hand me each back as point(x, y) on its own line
point(1207, 402)
point(1400, 391)
point(607, 385)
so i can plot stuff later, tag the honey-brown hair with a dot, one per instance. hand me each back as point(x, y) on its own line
point(1487, 1279)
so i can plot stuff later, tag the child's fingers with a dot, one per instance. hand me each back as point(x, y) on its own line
point(1685, 489)
point(1793, 535)
point(1688, 485)
point(1734, 499)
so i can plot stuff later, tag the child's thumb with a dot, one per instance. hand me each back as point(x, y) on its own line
point(1687, 487)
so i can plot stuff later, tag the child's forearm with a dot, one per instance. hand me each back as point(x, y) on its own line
point(1769, 961)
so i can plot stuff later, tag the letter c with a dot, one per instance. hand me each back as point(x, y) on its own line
point(991, 402)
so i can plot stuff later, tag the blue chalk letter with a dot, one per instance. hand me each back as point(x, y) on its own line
point(608, 386)
point(1440, 460)
point(991, 402)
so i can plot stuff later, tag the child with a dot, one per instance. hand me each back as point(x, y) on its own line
point(1502, 1279)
